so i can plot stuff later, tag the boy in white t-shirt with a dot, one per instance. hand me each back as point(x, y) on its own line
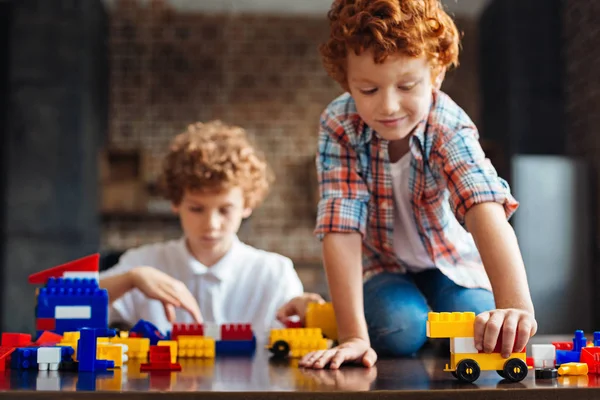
point(214, 178)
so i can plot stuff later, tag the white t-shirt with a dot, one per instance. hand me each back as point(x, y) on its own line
point(407, 243)
point(246, 286)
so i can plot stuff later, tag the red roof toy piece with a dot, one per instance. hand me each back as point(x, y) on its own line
point(160, 360)
point(86, 264)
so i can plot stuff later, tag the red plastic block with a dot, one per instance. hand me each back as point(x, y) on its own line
point(236, 332)
point(84, 264)
point(563, 345)
point(187, 329)
point(529, 361)
point(591, 356)
point(135, 334)
point(293, 324)
point(160, 360)
point(4, 353)
point(45, 324)
point(16, 339)
point(48, 338)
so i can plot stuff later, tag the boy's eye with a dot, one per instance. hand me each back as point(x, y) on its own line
point(225, 211)
point(408, 87)
point(196, 209)
point(368, 91)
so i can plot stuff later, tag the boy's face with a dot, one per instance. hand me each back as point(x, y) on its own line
point(392, 97)
point(210, 219)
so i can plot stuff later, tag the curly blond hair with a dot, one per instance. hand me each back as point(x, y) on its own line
point(413, 27)
point(214, 156)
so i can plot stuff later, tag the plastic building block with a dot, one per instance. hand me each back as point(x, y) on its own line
point(596, 339)
point(87, 350)
point(463, 345)
point(449, 325)
point(45, 324)
point(172, 344)
point(48, 358)
point(591, 356)
point(573, 369)
point(236, 332)
point(72, 312)
point(160, 360)
point(544, 355)
point(24, 358)
point(296, 342)
point(70, 339)
point(114, 352)
point(546, 373)
point(563, 345)
point(196, 347)
point(564, 356)
point(235, 347)
point(85, 265)
point(16, 339)
point(212, 330)
point(289, 323)
point(4, 353)
point(47, 338)
point(579, 341)
point(322, 316)
point(137, 348)
point(147, 330)
point(187, 329)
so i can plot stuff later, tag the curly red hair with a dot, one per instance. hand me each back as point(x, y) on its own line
point(413, 27)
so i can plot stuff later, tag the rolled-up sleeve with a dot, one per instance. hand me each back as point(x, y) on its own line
point(344, 194)
point(470, 176)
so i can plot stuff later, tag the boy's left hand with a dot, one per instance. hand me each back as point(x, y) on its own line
point(505, 324)
point(297, 306)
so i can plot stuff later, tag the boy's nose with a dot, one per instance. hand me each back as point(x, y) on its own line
point(390, 104)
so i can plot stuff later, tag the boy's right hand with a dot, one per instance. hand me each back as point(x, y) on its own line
point(353, 350)
point(169, 291)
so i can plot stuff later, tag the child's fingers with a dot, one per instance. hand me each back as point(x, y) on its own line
point(479, 329)
point(492, 331)
point(309, 359)
point(524, 332)
point(370, 358)
point(326, 358)
point(189, 303)
point(169, 312)
point(509, 332)
point(287, 310)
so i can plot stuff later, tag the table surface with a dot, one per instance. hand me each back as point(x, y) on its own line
point(264, 378)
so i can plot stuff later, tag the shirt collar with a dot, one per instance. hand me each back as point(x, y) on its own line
point(222, 270)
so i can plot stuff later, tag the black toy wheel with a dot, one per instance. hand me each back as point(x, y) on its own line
point(515, 370)
point(501, 373)
point(467, 370)
point(280, 348)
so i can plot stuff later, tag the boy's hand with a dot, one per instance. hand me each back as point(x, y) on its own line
point(297, 306)
point(507, 325)
point(353, 350)
point(162, 287)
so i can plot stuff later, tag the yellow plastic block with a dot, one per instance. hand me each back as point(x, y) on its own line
point(450, 325)
point(487, 362)
point(137, 348)
point(70, 336)
point(302, 346)
point(301, 340)
point(70, 339)
point(111, 351)
point(322, 316)
point(295, 333)
point(173, 345)
point(196, 346)
point(573, 368)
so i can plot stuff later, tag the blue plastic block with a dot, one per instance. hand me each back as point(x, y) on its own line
point(24, 358)
point(567, 356)
point(86, 350)
point(148, 330)
point(579, 341)
point(235, 347)
point(597, 339)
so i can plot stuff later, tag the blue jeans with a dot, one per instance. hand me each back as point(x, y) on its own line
point(396, 307)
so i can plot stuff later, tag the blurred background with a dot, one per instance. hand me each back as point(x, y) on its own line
point(92, 91)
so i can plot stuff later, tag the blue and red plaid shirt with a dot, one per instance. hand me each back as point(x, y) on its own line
point(449, 174)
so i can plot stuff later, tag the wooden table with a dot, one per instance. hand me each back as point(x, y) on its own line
point(261, 377)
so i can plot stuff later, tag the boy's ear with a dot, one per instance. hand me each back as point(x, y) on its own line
point(439, 79)
point(247, 212)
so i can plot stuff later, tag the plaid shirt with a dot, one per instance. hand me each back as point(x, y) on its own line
point(449, 174)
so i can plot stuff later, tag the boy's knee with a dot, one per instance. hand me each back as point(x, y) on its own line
point(399, 334)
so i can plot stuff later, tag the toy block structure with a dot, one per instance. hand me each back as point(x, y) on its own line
point(466, 362)
point(49, 358)
point(296, 342)
point(236, 332)
point(71, 298)
point(137, 348)
point(186, 329)
point(87, 350)
point(229, 339)
point(16, 340)
point(322, 316)
point(173, 345)
point(160, 360)
point(113, 352)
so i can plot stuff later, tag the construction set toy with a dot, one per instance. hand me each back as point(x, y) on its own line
point(73, 334)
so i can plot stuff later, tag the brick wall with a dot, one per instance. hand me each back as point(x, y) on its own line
point(259, 71)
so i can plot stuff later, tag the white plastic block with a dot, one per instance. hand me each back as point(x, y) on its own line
point(73, 312)
point(82, 275)
point(462, 345)
point(48, 358)
point(544, 355)
point(212, 330)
